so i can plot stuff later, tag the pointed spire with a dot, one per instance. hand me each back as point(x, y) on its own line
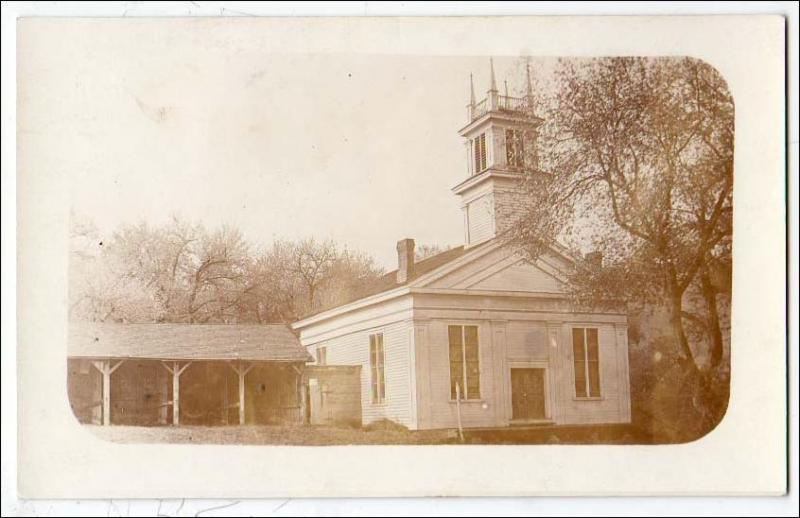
point(493, 84)
point(471, 91)
point(530, 85)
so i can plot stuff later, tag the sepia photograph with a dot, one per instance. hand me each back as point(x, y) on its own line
point(263, 248)
point(585, 298)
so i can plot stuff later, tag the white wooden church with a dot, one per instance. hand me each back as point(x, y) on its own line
point(478, 330)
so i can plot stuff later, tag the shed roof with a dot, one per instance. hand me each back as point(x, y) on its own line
point(273, 342)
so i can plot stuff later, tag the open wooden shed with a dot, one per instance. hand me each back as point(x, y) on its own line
point(198, 374)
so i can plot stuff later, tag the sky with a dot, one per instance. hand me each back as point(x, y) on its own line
point(360, 149)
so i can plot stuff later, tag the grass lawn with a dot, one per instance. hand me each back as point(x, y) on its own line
point(319, 435)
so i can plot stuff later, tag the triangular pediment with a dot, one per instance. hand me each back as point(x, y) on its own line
point(486, 268)
point(521, 276)
point(504, 271)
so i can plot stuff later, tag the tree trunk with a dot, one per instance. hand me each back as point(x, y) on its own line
point(710, 296)
point(676, 322)
point(311, 295)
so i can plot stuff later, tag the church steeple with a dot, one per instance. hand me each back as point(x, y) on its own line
point(500, 139)
point(493, 84)
point(471, 91)
point(529, 91)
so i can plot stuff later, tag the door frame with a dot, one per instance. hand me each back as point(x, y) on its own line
point(548, 392)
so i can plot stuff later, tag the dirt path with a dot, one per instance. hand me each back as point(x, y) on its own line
point(279, 435)
point(320, 436)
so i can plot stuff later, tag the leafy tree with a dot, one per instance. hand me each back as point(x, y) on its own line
point(635, 160)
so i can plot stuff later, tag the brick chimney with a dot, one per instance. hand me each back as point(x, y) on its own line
point(405, 260)
point(595, 259)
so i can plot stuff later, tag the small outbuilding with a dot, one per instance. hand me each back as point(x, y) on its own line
point(209, 374)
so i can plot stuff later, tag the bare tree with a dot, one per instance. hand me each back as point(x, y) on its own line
point(311, 263)
point(216, 277)
point(277, 293)
point(316, 274)
point(97, 290)
point(181, 272)
point(349, 277)
point(159, 260)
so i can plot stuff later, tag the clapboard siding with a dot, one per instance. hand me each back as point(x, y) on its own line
point(613, 405)
point(506, 344)
point(515, 331)
point(442, 411)
point(353, 349)
point(479, 214)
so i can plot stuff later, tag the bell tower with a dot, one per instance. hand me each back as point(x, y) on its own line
point(500, 138)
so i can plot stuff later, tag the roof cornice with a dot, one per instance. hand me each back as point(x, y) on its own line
point(396, 292)
point(504, 116)
point(352, 306)
point(418, 285)
point(478, 179)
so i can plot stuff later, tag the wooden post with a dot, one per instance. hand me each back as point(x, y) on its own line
point(241, 398)
point(300, 395)
point(165, 403)
point(225, 403)
point(176, 370)
point(106, 394)
point(105, 368)
point(176, 395)
point(303, 403)
point(241, 369)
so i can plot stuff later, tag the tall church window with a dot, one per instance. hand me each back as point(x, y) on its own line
point(586, 362)
point(464, 362)
point(376, 363)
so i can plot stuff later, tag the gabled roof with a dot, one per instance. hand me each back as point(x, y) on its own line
point(426, 271)
point(422, 267)
point(388, 281)
point(272, 342)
